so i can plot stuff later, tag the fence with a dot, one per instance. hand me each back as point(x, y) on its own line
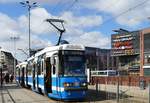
point(123, 89)
point(123, 80)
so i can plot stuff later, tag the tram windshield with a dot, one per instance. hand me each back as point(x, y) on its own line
point(74, 65)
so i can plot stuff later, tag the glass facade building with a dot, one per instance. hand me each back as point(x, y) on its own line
point(126, 46)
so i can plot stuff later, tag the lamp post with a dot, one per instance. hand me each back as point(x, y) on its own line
point(29, 6)
point(1, 67)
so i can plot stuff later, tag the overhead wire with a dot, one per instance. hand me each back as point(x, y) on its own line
point(69, 7)
point(112, 18)
point(124, 12)
point(57, 4)
point(72, 5)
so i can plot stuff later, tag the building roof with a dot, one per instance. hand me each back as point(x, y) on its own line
point(4, 50)
point(8, 53)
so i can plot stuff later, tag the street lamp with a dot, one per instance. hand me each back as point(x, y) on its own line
point(2, 61)
point(29, 6)
point(1, 67)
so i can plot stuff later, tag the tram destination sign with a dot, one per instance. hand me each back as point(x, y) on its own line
point(125, 44)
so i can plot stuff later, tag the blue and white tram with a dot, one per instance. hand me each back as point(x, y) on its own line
point(59, 72)
point(21, 76)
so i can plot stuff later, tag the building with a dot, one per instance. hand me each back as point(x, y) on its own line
point(6, 61)
point(132, 51)
point(100, 59)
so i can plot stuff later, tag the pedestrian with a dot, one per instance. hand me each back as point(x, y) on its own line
point(2, 80)
point(6, 78)
point(11, 78)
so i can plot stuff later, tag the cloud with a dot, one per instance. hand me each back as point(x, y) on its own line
point(92, 39)
point(38, 22)
point(10, 27)
point(81, 21)
point(126, 12)
point(48, 2)
point(78, 30)
point(7, 1)
point(114, 8)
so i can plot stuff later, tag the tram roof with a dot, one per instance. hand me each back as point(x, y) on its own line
point(59, 47)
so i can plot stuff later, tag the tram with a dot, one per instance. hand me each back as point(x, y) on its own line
point(21, 77)
point(58, 72)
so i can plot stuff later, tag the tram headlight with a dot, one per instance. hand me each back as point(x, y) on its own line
point(67, 84)
point(84, 84)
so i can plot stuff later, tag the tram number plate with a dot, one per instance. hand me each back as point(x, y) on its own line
point(76, 83)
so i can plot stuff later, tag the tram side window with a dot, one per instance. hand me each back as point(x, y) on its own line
point(29, 69)
point(53, 62)
point(42, 67)
point(39, 68)
point(47, 65)
point(54, 69)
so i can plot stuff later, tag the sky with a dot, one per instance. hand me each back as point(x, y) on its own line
point(87, 22)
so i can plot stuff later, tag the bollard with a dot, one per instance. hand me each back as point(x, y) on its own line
point(1, 78)
point(96, 87)
point(149, 92)
point(117, 94)
point(99, 87)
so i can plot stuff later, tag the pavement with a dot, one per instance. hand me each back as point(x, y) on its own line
point(12, 93)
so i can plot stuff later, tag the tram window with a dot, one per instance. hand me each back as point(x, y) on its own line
point(29, 69)
point(39, 69)
point(42, 66)
point(53, 63)
point(54, 69)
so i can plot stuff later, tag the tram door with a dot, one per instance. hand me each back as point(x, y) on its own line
point(54, 69)
point(47, 76)
point(22, 76)
point(33, 76)
point(38, 68)
point(26, 71)
point(19, 75)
